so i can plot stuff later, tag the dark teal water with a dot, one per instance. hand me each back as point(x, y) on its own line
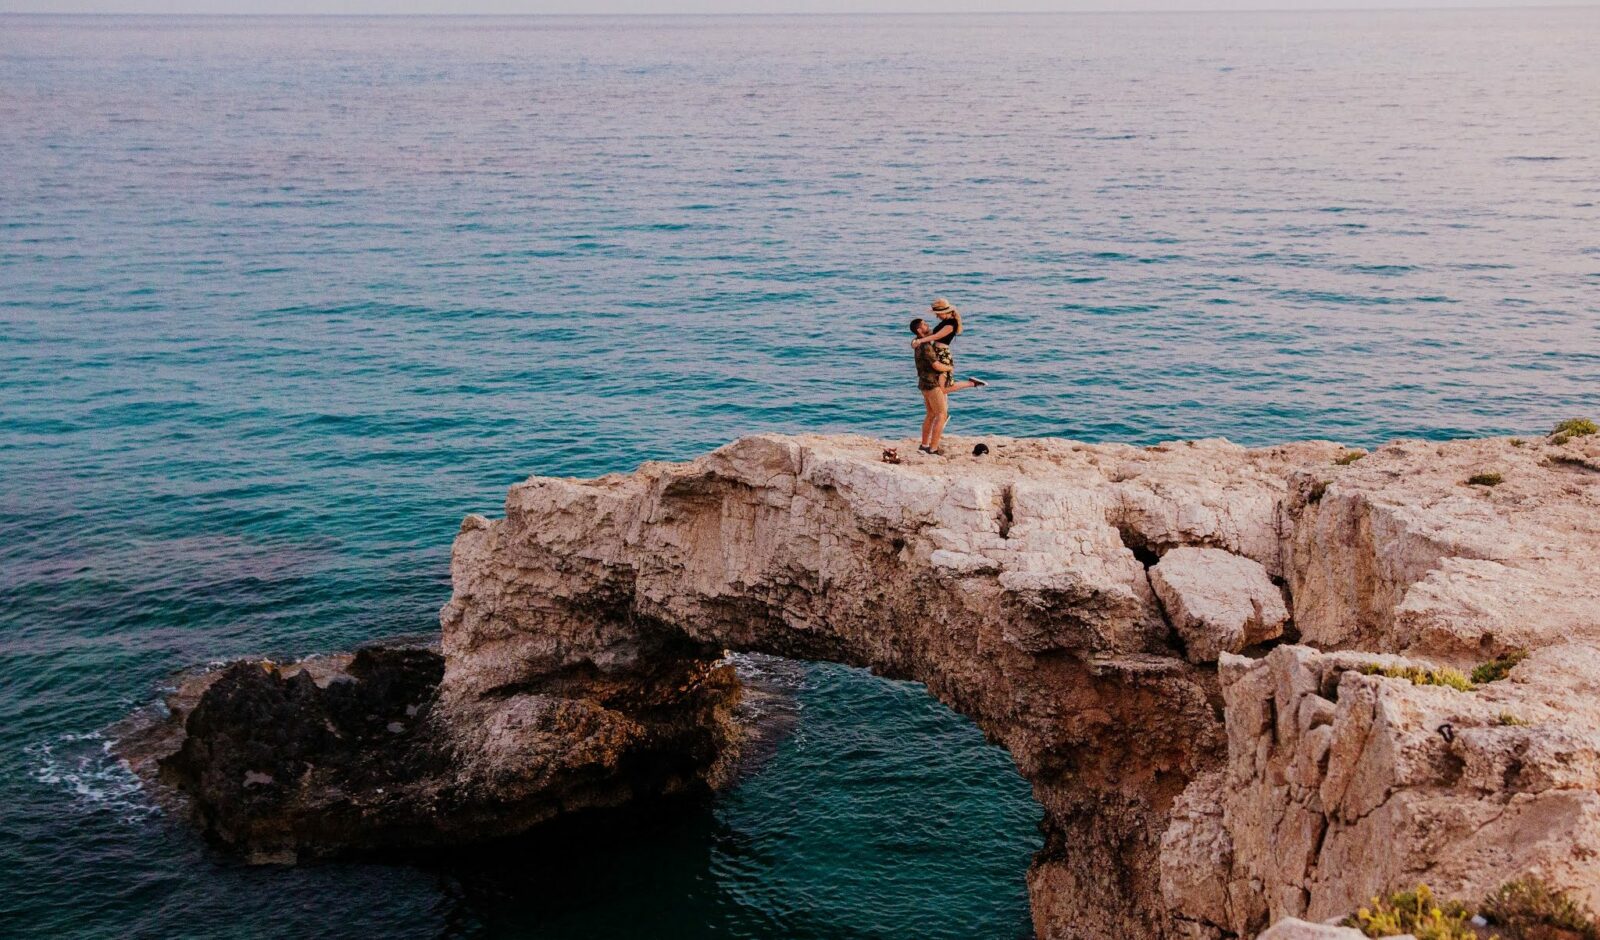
point(281, 300)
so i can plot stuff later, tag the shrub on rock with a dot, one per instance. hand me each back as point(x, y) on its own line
point(1529, 909)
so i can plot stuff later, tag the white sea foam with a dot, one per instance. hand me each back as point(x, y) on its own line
point(83, 767)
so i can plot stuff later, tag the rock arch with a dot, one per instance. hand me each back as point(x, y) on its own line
point(1179, 800)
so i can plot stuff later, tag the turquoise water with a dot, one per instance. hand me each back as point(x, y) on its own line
point(282, 300)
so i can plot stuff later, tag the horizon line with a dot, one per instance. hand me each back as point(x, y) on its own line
point(1439, 5)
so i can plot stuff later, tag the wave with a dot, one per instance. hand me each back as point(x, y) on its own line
point(84, 767)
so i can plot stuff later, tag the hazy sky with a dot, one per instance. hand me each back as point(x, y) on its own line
point(714, 6)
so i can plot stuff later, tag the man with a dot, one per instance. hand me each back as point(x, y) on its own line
point(934, 378)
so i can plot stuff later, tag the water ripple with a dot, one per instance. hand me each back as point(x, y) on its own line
point(282, 300)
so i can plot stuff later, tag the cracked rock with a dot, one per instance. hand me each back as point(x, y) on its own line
point(1218, 601)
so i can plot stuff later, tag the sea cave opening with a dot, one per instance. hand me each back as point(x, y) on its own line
point(863, 807)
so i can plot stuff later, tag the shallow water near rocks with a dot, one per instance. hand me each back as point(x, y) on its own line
point(282, 300)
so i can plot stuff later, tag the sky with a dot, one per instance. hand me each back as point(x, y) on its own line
point(719, 6)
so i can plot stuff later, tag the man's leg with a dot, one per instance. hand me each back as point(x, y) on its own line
point(940, 416)
point(927, 416)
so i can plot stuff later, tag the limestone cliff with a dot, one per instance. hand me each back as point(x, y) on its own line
point(1075, 599)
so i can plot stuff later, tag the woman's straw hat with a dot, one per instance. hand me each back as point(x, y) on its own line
point(940, 305)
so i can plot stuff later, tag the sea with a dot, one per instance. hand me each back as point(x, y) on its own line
point(283, 299)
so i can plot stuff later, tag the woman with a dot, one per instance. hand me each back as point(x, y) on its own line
point(949, 324)
point(935, 374)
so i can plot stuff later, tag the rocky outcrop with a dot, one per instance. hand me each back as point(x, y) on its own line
point(350, 753)
point(1394, 553)
point(1086, 606)
point(1341, 785)
point(1006, 583)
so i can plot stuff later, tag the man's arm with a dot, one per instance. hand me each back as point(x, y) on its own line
point(941, 333)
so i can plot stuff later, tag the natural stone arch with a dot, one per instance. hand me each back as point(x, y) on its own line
point(1179, 799)
point(1005, 587)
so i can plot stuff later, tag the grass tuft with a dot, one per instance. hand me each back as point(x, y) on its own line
point(1496, 669)
point(1506, 718)
point(1575, 427)
point(1349, 457)
point(1419, 675)
point(1529, 909)
point(1485, 479)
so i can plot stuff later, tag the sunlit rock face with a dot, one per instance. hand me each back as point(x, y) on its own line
point(1340, 785)
point(1218, 601)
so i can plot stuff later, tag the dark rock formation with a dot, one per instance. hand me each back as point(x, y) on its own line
point(349, 753)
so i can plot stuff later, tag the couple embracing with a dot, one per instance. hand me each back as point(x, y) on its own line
point(936, 371)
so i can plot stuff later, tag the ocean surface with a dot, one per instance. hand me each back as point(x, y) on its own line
point(281, 300)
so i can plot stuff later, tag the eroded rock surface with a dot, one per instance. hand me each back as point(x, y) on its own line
point(1006, 583)
point(1179, 800)
point(1018, 589)
point(1397, 553)
point(1341, 786)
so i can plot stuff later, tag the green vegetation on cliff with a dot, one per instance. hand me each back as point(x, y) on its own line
point(1524, 909)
